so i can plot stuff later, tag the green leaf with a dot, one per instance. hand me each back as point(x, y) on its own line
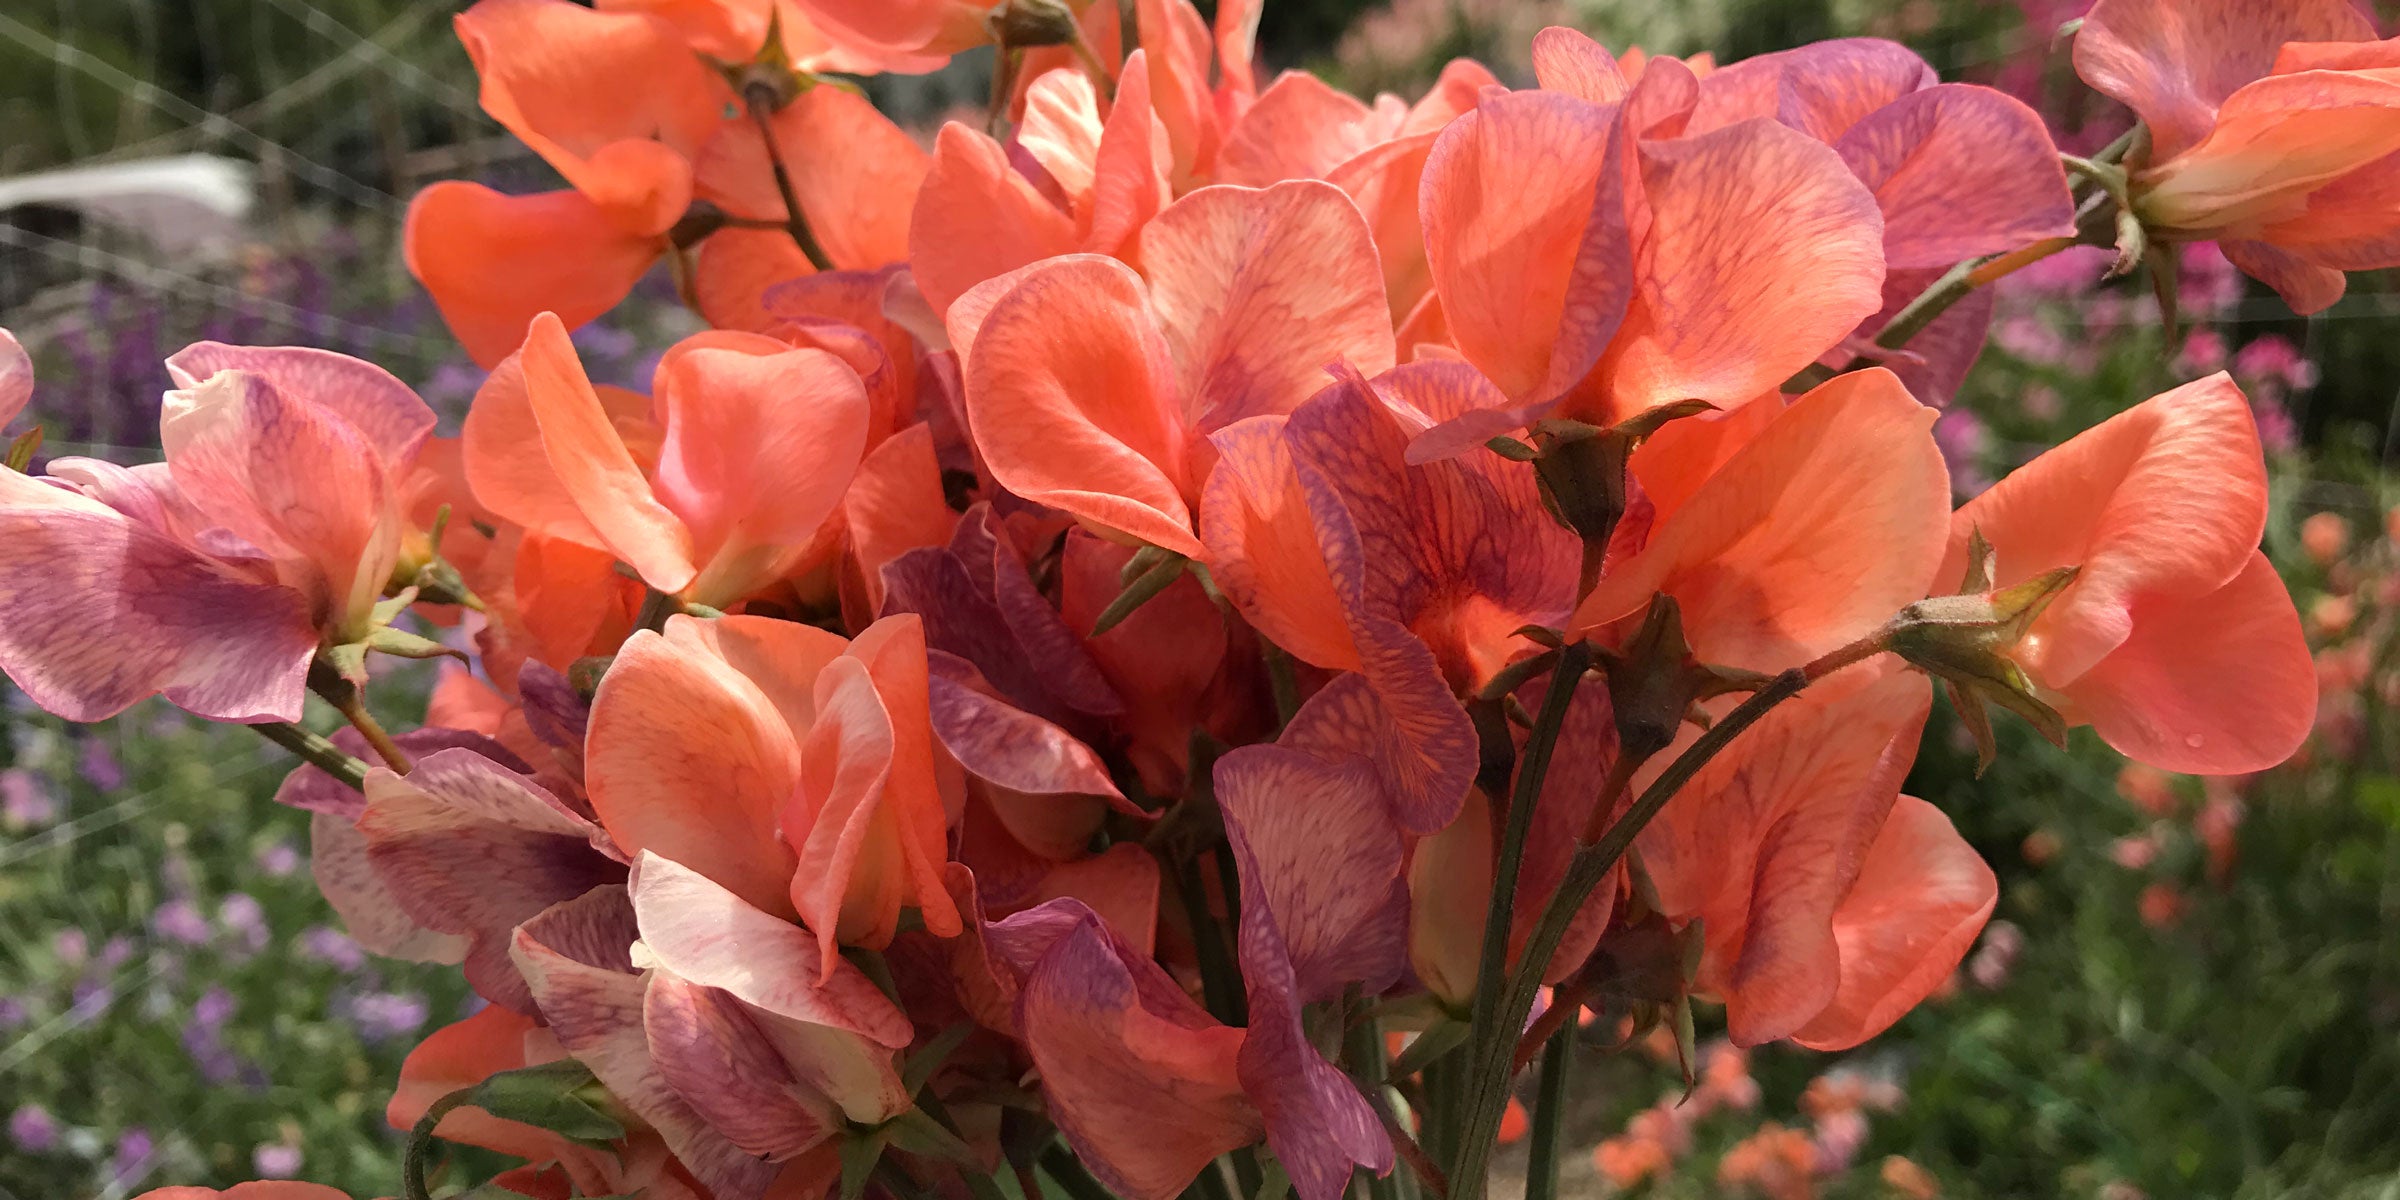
point(859, 1156)
point(918, 1133)
point(1445, 1036)
point(21, 451)
point(921, 1065)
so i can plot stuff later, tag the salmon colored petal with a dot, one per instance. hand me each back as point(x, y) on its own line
point(1237, 45)
point(257, 1189)
point(386, 411)
point(1449, 889)
point(1665, 97)
point(853, 875)
point(1300, 128)
point(297, 481)
point(1820, 89)
point(1073, 398)
point(762, 441)
point(1120, 884)
point(854, 172)
point(1383, 182)
point(1564, 60)
point(734, 270)
point(2174, 61)
point(1763, 252)
point(889, 24)
point(574, 958)
point(976, 218)
point(895, 655)
point(1810, 536)
point(1061, 128)
point(98, 612)
point(2165, 500)
point(700, 932)
point(505, 467)
point(895, 505)
point(1523, 234)
point(1129, 166)
point(1314, 837)
point(492, 261)
point(1259, 292)
point(2350, 223)
point(1959, 172)
point(471, 848)
point(2275, 141)
point(2305, 286)
point(1177, 42)
point(1461, 86)
point(1139, 1080)
point(463, 1054)
point(554, 74)
point(1914, 910)
point(593, 464)
point(2219, 683)
point(688, 757)
point(1672, 463)
point(1263, 548)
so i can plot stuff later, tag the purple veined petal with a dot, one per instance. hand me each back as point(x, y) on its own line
point(1316, 1121)
point(16, 378)
point(1425, 743)
point(1042, 636)
point(1316, 843)
point(1142, 1084)
point(709, 936)
point(374, 918)
point(312, 790)
point(1820, 89)
point(97, 612)
point(469, 848)
point(1005, 745)
point(553, 709)
point(717, 1061)
point(1959, 171)
point(147, 494)
point(366, 396)
point(573, 957)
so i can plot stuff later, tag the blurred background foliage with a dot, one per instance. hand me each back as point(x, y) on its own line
point(2191, 987)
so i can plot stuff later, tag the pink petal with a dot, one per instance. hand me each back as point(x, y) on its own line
point(1259, 291)
point(1820, 89)
point(1314, 837)
point(16, 378)
point(1564, 60)
point(717, 1060)
point(1129, 166)
point(1959, 171)
point(98, 612)
point(381, 407)
point(1263, 548)
point(2173, 63)
point(1002, 744)
point(337, 860)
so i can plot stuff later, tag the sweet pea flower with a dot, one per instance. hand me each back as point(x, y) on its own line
point(16, 378)
point(2174, 640)
point(718, 485)
point(257, 1189)
point(2274, 131)
point(272, 528)
point(792, 767)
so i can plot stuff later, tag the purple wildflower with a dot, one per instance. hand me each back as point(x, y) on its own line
point(214, 1007)
point(32, 1128)
point(275, 1160)
point(330, 945)
point(25, 802)
point(180, 920)
point(132, 1160)
point(14, 1012)
point(244, 921)
point(99, 766)
point(279, 860)
point(382, 1016)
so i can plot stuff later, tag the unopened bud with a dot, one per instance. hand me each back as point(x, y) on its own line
point(1022, 23)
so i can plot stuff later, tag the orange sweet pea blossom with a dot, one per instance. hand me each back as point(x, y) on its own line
point(554, 73)
point(1594, 274)
point(272, 528)
point(2274, 129)
point(1092, 389)
point(756, 443)
point(256, 1189)
point(793, 768)
point(1831, 904)
point(2174, 640)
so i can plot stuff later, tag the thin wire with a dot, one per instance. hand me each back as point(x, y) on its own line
point(151, 94)
point(325, 25)
point(72, 1018)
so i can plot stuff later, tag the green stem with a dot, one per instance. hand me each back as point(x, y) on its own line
point(1220, 978)
point(1362, 1052)
point(421, 1139)
point(316, 751)
point(1491, 1028)
point(352, 704)
point(1062, 1165)
point(1549, 1115)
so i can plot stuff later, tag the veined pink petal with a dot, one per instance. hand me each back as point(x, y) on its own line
point(709, 936)
point(1959, 172)
point(2174, 61)
point(295, 480)
point(895, 505)
point(391, 416)
point(1130, 167)
point(1315, 839)
point(1072, 393)
point(1915, 908)
point(591, 462)
point(733, 271)
point(1820, 89)
point(2215, 683)
point(1121, 884)
point(1061, 129)
point(1300, 128)
point(2304, 285)
point(1382, 181)
point(1810, 536)
point(1764, 250)
point(337, 861)
point(1564, 60)
point(855, 173)
point(97, 612)
point(1258, 292)
point(715, 1059)
point(16, 378)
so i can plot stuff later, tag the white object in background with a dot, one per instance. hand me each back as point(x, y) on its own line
point(180, 202)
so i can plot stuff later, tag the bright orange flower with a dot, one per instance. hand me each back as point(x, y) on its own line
point(2175, 640)
point(756, 444)
point(2274, 129)
point(792, 767)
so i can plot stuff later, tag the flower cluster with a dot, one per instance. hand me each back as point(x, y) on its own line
point(1112, 615)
